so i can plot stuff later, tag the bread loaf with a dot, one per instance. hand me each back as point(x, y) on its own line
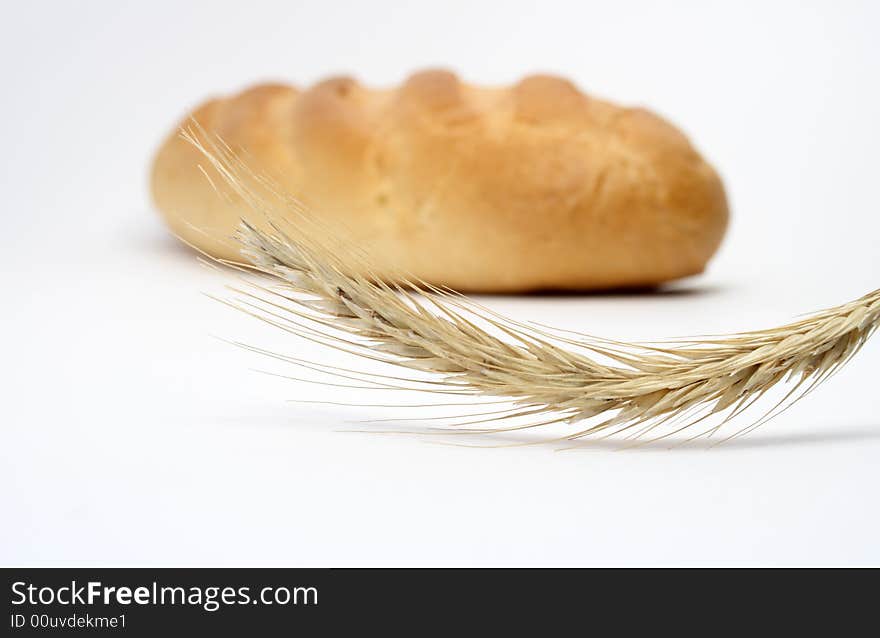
point(532, 186)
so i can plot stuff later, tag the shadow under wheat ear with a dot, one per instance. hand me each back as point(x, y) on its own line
point(317, 287)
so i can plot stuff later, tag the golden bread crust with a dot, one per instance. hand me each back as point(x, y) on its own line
point(535, 186)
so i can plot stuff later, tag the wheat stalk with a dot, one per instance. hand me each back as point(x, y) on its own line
point(320, 289)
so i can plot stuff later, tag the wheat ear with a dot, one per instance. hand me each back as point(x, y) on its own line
point(451, 347)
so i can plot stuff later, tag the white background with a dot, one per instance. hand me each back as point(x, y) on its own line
point(130, 436)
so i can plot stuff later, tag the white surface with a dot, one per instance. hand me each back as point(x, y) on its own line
point(130, 436)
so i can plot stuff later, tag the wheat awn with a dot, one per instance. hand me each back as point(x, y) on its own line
point(450, 346)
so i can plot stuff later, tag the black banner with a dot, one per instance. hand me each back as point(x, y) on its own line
point(267, 602)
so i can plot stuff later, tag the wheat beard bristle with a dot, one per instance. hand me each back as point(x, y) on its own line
point(450, 346)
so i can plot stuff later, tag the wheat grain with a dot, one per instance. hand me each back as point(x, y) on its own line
point(320, 289)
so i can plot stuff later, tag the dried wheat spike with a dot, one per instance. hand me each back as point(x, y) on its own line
point(450, 346)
